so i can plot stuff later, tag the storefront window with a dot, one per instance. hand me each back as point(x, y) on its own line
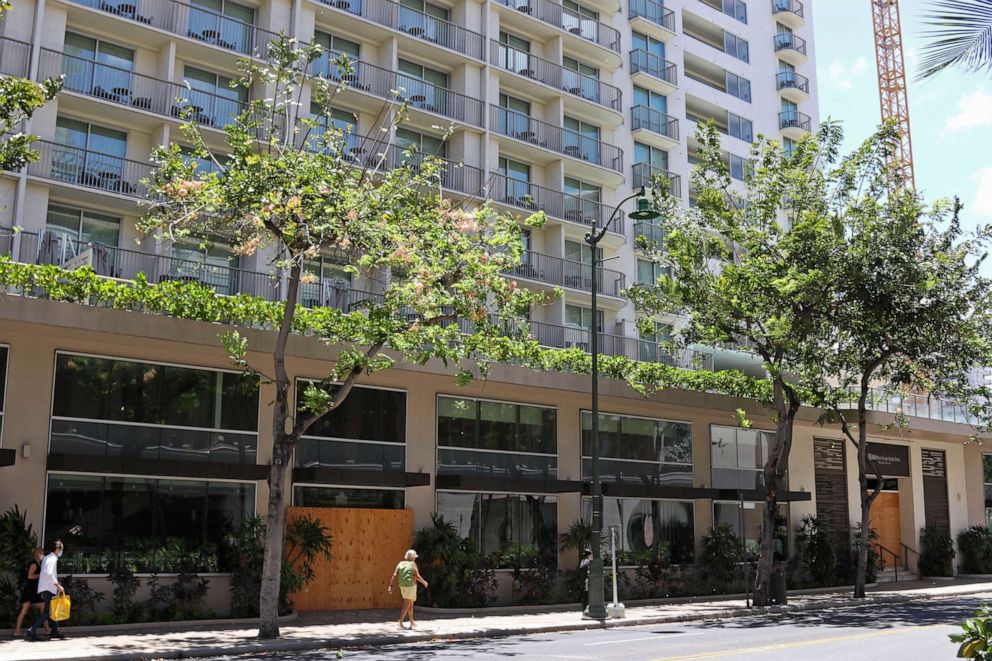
point(750, 517)
point(987, 479)
point(508, 529)
point(305, 495)
point(148, 525)
point(639, 450)
point(648, 529)
point(739, 457)
point(3, 386)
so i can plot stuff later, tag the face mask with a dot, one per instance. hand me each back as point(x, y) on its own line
point(58, 553)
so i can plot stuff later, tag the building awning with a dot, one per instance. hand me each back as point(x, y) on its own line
point(155, 467)
point(7, 457)
point(359, 477)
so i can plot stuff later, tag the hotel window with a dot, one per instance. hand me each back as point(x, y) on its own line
point(648, 272)
point(334, 47)
point(212, 100)
point(515, 119)
point(91, 66)
point(736, 8)
point(649, 529)
point(83, 227)
point(656, 347)
point(223, 23)
point(496, 439)
point(213, 264)
point(421, 144)
point(735, 46)
point(366, 432)
point(739, 456)
point(515, 54)
point(423, 87)
point(89, 154)
point(648, 44)
point(516, 178)
point(580, 20)
point(731, 514)
point(739, 167)
point(739, 87)
point(581, 139)
point(344, 121)
point(635, 450)
point(123, 408)
point(653, 100)
point(330, 285)
point(739, 127)
point(789, 147)
point(580, 78)
point(580, 318)
point(582, 201)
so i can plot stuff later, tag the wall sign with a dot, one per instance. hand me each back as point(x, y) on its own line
point(891, 460)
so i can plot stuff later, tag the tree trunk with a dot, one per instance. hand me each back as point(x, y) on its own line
point(861, 576)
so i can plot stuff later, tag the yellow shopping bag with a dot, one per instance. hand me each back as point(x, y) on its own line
point(60, 608)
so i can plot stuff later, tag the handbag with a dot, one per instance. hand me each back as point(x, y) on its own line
point(60, 607)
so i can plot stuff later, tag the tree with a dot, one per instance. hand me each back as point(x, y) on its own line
point(289, 185)
point(913, 310)
point(19, 98)
point(960, 36)
point(747, 271)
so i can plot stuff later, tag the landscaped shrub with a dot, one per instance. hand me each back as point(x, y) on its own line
point(936, 552)
point(122, 606)
point(975, 639)
point(815, 555)
point(456, 574)
point(720, 562)
point(84, 599)
point(188, 593)
point(17, 541)
point(536, 585)
point(975, 545)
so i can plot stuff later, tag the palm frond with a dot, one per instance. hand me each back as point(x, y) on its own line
point(960, 34)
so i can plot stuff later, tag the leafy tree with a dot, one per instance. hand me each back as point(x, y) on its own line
point(286, 185)
point(960, 35)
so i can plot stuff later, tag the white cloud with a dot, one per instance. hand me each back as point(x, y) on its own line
point(974, 110)
point(982, 204)
point(842, 76)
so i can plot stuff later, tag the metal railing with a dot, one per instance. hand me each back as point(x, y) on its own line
point(525, 195)
point(91, 169)
point(653, 65)
point(15, 57)
point(916, 405)
point(650, 231)
point(789, 41)
point(191, 21)
point(337, 295)
point(419, 94)
point(559, 140)
point(416, 23)
point(791, 80)
point(135, 90)
point(794, 119)
point(653, 11)
point(554, 14)
point(790, 6)
point(645, 173)
point(574, 337)
point(555, 75)
point(567, 273)
point(644, 117)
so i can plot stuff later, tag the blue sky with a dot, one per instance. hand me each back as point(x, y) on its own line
point(950, 115)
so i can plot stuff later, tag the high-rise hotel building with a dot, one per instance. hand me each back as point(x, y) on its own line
point(121, 431)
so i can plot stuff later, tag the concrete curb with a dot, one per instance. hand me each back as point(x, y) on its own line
point(218, 624)
point(379, 640)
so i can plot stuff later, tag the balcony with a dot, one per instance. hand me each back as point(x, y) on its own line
point(419, 94)
point(793, 86)
point(186, 20)
point(788, 12)
point(794, 123)
point(533, 198)
point(14, 57)
point(567, 273)
point(338, 295)
point(790, 48)
point(133, 90)
point(658, 68)
point(653, 16)
point(654, 121)
point(555, 76)
point(89, 169)
point(416, 24)
point(644, 174)
point(651, 231)
point(554, 14)
point(556, 139)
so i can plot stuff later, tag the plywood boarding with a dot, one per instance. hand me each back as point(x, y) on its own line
point(367, 545)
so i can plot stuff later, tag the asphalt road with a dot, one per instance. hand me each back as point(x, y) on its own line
point(899, 632)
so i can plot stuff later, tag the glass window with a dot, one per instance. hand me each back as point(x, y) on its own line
point(83, 226)
point(334, 47)
point(95, 67)
point(736, 9)
point(3, 385)
point(649, 44)
point(653, 100)
point(580, 317)
point(789, 147)
point(213, 264)
point(738, 457)
point(366, 414)
point(222, 23)
point(640, 450)
point(508, 529)
point(738, 167)
point(324, 496)
point(212, 100)
point(736, 46)
point(987, 480)
point(653, 156)
point(648, 529)
point(739, 127)
point(731, 514)
point(739, 87)
point(421, 143)
point(648, 272)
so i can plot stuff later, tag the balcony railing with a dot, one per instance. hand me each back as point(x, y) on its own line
point(794, 119)
point(567, 273)
point(554, 14)
point(15, 57)
point(644, 117)
point(790, 6)
point(645, 173)
point(651, 64)
point(917, 405)
point(419, 94)
point(135, 90)
point(555, 75)
point(415, 23)
point(791, 80)
point(338, 295)
point(554, 138)
point(789, 41)
point(525, 195)
point(191, 21)
point(91, 169)
point(569, 337)
point(650, 231)
point(653, 11)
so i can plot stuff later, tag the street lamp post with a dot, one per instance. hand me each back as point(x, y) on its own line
point(597, 608)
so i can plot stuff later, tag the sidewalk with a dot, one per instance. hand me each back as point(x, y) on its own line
point(368, 628)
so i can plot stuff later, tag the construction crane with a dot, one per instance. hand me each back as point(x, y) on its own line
point(892, 85)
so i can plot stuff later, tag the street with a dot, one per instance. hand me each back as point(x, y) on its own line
point(903, 631)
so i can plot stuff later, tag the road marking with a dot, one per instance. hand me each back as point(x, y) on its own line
point(658, 636)
point(798, 643)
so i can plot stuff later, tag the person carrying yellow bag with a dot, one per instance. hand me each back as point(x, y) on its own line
point(49, 588)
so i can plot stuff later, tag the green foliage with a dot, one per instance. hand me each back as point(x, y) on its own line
point(816, 550)
point(17, 542)
point(123, 607)
point(451, 565)
point(936, 552)
point(307, 541)
point(720, 562)
point(84, 599)
point(188, 592)
point(578, 537)
point(975, 639)
point(975, 545)
point(534, 585)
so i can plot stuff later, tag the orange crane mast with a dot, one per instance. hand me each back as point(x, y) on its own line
point(892, 84)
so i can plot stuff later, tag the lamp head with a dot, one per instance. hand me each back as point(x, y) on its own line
point(644, 210)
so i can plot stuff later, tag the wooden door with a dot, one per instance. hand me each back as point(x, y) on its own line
point(884, 520)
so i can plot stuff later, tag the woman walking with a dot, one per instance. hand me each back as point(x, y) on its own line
point(409, 576)
point(29, 591)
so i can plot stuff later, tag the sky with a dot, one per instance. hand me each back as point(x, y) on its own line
point(950, 114)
